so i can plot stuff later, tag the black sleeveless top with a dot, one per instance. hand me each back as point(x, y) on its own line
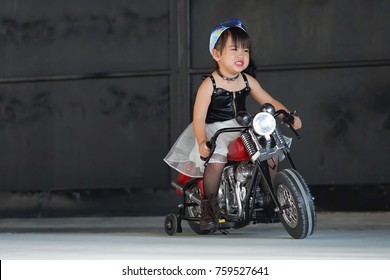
point(225, 104)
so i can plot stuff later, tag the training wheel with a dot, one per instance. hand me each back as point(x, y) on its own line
point(171, 224)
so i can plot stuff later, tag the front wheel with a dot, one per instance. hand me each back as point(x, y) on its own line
point(298, 213)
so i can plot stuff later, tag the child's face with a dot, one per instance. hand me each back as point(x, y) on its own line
point(234, 57)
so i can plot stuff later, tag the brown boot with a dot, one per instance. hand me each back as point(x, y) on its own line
point(218, 216)
point(215, 209)
point(207, 221)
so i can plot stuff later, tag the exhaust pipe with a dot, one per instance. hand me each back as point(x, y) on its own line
point(192, 196)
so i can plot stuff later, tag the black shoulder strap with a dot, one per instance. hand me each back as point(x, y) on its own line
point(245, 80)
point(214, 83)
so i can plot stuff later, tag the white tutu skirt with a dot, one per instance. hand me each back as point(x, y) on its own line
point(184, 155)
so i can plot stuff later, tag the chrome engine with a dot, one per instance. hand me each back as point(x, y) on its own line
point(234, 189)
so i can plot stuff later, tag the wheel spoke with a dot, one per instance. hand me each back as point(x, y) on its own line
point(286, 200)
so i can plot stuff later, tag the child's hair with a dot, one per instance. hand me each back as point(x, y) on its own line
point(240, 39)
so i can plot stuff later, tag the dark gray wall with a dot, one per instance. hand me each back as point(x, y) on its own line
point(93, 93)
point(84, 94)
point(330, 60)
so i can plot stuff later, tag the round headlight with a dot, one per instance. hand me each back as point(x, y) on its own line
point(264, 123)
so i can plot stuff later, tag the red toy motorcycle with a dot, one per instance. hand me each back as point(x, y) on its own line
point(247, 194)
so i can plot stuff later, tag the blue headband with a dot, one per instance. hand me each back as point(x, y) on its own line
point(216, 33)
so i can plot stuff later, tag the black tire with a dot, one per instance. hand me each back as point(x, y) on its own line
point(299, 216)
point(194, 212)
point(171, 224)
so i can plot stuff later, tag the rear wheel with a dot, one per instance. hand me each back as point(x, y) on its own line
point(171, 224)
point(298, 213)
point(193, 212)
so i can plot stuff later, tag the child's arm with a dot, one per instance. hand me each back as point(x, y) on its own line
point(202, 102)
point(262, 97)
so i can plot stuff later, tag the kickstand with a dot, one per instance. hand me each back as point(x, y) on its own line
point(224, 231)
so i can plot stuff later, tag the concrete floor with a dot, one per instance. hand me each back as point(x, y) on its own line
point(339, 236)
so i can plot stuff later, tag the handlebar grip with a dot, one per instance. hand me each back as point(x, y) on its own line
point(210, 146)
point(289, 119)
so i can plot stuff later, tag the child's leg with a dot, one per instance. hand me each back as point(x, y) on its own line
point(211, 180)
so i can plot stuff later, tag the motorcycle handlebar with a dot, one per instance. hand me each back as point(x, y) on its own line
point(211, 144)
point(288, 118)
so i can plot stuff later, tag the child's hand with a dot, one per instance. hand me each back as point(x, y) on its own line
point(204, 151)
point(297, 123)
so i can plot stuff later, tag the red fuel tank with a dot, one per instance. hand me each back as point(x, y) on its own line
point(237, 151)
